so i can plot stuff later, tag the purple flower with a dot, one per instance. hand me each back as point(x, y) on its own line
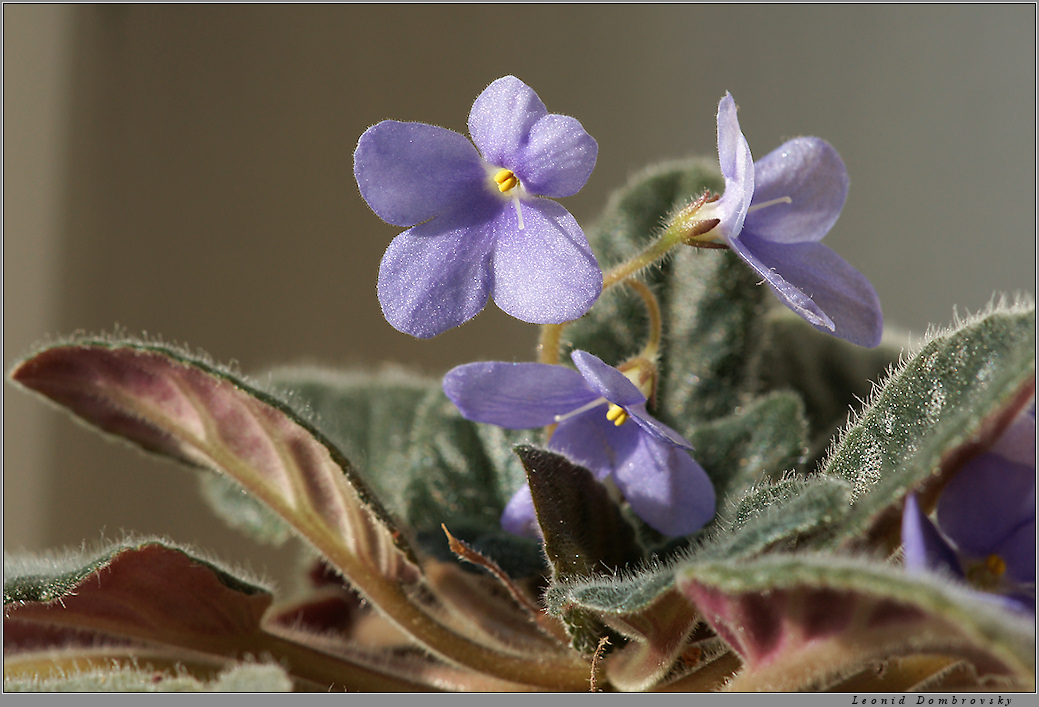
point(594, 407)
point(476, 224)
point(773, 214)
point(985, 532)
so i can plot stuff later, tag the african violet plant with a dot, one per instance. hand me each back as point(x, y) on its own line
point(672, 497)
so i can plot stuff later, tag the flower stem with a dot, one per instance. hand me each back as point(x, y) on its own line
point(652, 346)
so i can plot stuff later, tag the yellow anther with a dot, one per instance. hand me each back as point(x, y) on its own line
point(996, 565)
point(616, 414)
point(505, 180)
point(988, 573)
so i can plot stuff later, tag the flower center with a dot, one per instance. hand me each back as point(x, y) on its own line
point(987, 573)
point(616, 414)
point(508, 183)
point(506, 180)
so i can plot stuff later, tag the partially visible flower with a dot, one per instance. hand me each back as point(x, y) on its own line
point(985, 532)
point(594, 407)
point(773, 214)
point(477, 226)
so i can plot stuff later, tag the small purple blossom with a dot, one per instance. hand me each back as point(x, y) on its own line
point(593, 406)
point(773, 214)
point(477, 224)
point(985, 531)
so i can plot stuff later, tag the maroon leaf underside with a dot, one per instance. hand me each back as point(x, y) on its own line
point(804, 637)
point(152, 594)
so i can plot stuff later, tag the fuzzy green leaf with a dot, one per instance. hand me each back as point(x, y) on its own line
point(462, 474)
point(948, 402)
point(831, 376)
point(803, 622)
point(763, 440)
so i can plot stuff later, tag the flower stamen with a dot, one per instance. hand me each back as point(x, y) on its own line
point(987, 573)
point(506, 180)
point(771, 202)
point(616, 414)
point(584, 408)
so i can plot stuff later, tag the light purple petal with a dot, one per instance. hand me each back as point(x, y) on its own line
point(519, 517)
point(515, 395)
point(1017, 444)
point(594, 442)
point(737, 167)
point(558, 158)
point(545, 273)
point(607, 380)
point(809, 171)
point(655, 427)
point(410, 172)
point(666, 487)
point(619, 390)
point(436, 275)
point(818, 285)
point(924, 548)
point(501, 120)
point(987, 501)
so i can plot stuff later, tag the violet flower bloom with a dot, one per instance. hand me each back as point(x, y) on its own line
point(593, 406)
point(476, 226)
point(985, 531)
point(773, 214)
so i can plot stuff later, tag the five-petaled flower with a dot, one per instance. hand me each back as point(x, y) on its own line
point(603, 425)
point(985, 531)
point(774, 212)
point(477, 224)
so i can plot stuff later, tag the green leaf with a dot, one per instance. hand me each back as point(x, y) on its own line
point(947, 403)
point(762, 440)
point(713, 309)
point(778, 514)
point(462, 474)
point(831, 376)
point(425, 463)
point(805, 622)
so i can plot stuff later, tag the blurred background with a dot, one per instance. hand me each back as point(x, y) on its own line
point(186, 171)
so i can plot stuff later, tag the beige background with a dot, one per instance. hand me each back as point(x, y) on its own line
point(186, 171)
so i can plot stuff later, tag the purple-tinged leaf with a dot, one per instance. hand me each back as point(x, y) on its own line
point(806, 621)
point(159, 602)
point(195, 413)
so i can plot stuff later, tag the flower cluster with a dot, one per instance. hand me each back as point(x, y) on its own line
point(985, 531)
point(480, 225)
